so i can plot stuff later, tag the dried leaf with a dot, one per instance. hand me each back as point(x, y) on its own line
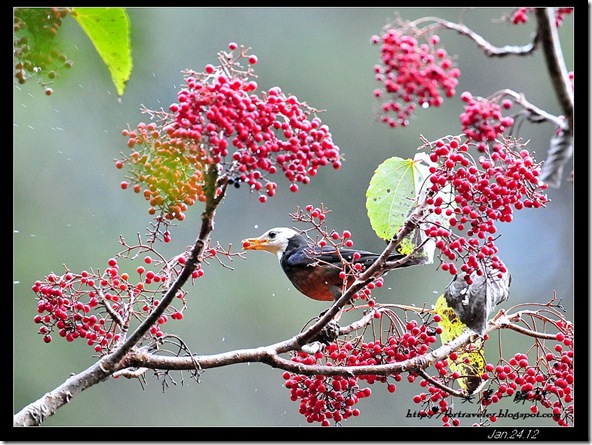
point(560, 152)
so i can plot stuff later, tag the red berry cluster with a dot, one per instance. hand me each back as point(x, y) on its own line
point(220, 120)
point(434, 401)
point(313, 215)
point(411, 74)
point(35, 49)
point(97, 306)
point(547, 383)
point(543, 383)
point(473, 195)
point(520, 15)
point(325, 398)
point(482, 119)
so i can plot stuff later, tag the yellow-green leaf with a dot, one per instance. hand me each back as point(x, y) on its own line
point(451, 325)
point(391, 196)
point(470, 361)
point(109, 31)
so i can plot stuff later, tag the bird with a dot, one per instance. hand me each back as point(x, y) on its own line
point(473, 303)
point(313, 270)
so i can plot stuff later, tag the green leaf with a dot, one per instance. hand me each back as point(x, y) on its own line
point(109, 31)
point(391, 195)
point(396, 188)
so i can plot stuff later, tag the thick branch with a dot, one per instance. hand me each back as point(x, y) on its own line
point(547, 32)
point(207, 226)
point(270, 355)
point(36, 412)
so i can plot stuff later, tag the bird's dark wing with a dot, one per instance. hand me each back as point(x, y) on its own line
point(328, 255)
point(315, 271)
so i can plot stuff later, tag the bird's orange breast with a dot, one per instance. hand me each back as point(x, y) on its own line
point(317, 282)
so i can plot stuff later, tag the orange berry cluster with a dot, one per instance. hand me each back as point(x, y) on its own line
point(169, 169)
point(220, 121)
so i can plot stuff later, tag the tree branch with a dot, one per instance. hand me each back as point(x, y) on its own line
point(271, 355)
point(36, 412)
point(547, 32)
point(561, 148)
point(520, 99)
point(489, 49)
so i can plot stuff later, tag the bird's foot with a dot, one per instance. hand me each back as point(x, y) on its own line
point(329, 333)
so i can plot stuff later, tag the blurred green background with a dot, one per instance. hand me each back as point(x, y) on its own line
point(69, 209)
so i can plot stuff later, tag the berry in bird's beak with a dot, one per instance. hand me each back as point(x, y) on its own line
point(253, 244)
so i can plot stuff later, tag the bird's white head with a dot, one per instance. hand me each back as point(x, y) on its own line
point(273, 241)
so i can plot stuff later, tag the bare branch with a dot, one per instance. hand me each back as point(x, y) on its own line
point(271, 354)
point(547, 32)
point(489, 49)
point(35, 413)
point(440, 385)
point(520, 99)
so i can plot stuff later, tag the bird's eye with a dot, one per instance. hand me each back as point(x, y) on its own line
point(272, 234)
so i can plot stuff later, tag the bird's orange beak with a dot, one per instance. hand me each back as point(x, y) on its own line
point(254, 244)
